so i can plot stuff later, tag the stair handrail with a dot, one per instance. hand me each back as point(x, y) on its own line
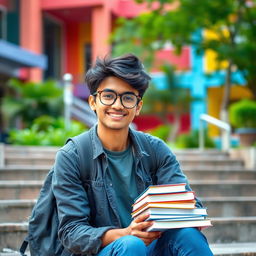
point(82, 111)
point(73, 106)
point(225, 136)
point(2, 160)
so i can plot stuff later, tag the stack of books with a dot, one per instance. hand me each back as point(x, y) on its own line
point(170, 206)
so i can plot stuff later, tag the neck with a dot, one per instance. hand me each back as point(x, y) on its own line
point(114, 140)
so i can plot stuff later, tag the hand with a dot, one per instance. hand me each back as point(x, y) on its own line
point(139, 225)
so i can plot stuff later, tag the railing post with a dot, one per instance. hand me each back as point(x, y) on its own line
point(225, 140)
point(2, 160)
point(201, 135)
point(225, 134)
point(68, 98)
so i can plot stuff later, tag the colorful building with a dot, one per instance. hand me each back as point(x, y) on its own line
point(72, 33)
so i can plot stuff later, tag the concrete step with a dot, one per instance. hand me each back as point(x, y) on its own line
point(224, 230)
point(213, 188)
point(231, 249)
point(39, 159)
point(24, 172)
point(12, 234)
point(45, 159)
point(12, 149)
point(211, 161)
point(230, 206)
point(21, 189)
point(16, 210)
point(30, 172)
point(235, 249)
point(232, 230)
point(198, 154)
point(211, 174)
point(19, 210)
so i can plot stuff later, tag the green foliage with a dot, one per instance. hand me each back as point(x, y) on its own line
point(191, 140)
point(161, 131)
point(242, 114)
point(46, 131)
point(232, 21)
point(173, 95)
point(31, 100)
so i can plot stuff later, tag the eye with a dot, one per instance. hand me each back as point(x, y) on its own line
point(128, 98)
point(108, 96)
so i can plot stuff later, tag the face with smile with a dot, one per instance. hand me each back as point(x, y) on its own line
point(115, 116)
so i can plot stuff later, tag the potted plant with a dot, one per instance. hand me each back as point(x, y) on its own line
point(242, 116)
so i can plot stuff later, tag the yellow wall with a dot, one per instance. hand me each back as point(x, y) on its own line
point(84, 37)
point(215, 99)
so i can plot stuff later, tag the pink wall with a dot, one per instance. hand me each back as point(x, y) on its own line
point(3, 3)
point(182, 62)
point(101, 29)
point(63, 4)
point(31, 32)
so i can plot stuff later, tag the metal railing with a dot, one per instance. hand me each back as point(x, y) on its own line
point(225, 134)
point(2, 157)
point(74, 106)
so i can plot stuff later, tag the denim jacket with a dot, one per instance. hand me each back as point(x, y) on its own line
point(88, 209)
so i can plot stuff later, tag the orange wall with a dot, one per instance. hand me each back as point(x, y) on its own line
point(72, 48)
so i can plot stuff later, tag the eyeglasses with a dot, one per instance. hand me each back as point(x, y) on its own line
point(108, 97)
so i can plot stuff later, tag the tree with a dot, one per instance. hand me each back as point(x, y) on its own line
point(232, 21)
point(173, 99)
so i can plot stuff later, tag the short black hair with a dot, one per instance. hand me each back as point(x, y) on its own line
point(126, 67)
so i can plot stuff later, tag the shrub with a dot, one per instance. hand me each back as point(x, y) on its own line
point(28, 101)
point(46, 131)
point(191, 140)
point(242, 114)
point(161, 131)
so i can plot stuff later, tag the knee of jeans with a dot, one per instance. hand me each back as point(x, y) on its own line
point(132, 243)
point(186, 235)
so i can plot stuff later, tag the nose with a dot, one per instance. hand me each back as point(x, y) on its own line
point(118, 103)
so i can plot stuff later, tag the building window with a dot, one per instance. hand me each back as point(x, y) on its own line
point(87, 56)
point(52, 47)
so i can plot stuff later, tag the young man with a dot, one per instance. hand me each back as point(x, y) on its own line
point(95, 215)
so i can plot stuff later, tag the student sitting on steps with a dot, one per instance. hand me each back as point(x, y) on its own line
point(95, 215)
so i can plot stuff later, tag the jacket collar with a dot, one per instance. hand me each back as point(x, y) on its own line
point(98, 150)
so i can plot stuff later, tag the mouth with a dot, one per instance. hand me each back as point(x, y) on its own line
point(116, 116)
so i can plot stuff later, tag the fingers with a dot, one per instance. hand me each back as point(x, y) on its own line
point(138, 227)
point(141, 218)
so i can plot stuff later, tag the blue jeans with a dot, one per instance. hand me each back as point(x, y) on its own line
point(173, 242)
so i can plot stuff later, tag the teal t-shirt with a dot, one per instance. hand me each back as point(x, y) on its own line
point(121, 172)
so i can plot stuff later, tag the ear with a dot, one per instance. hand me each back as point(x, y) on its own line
point(139, 107)
point(92, 103)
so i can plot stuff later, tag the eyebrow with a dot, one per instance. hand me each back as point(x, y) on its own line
point(110, 90)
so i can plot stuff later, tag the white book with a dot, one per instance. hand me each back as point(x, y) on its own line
point(170, 211)
point(162, 189)
point(174, 218)
point(163, 225)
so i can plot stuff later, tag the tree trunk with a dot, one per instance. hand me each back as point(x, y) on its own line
point(252, 86)
point(175, 127)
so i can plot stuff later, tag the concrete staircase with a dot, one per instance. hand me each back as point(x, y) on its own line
point(224, 186)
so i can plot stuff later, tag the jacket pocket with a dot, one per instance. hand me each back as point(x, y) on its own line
point(96, 196)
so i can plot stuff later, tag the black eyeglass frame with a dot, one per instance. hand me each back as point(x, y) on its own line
point(118, 95)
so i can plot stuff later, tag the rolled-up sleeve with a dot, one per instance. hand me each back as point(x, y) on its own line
point(75, 232)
